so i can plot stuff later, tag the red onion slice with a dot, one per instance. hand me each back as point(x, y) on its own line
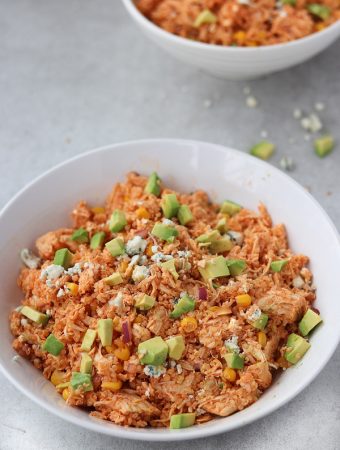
point(202, 293)
point(126, 331)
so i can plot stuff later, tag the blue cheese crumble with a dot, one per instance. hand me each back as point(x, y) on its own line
point(231, 344)
point(140, 273)
point(154, 371)
point(135, 246)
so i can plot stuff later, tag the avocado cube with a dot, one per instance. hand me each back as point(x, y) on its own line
point(170, 205)
point(170, 267)
point(184, 215)
point(145, 302)
point(320, 11)
point(324, 145)
point(183, 420)
point(83, 380)
point(234, 361)
point(208, 238)
point(34, 315)
point(229, 207)
point(97, 240)
point(184, 305)
point(81, 236)
point(263, 150)
point(114, 279)
point(105, 331)
point(153, 186)
point(277, 266)
point(222, 225)
point(222, 245)
point(153, 351)
point(117, 221)
point(86, 363)
point(176, 346)
point(164, 232)
point(309, 321)
point(53, 345)
point(297, 346)
point(261, 322)
point(116, 246)
point(236, 266)
point(205, 16)
point(213, 268)
point(63, 257)
point(88, 340)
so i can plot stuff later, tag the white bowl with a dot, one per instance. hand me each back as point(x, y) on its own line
point(185, 165)
point(236, 63)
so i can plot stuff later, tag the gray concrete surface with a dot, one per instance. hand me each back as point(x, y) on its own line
point(77, 74)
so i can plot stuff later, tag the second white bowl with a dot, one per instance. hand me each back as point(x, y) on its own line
point(236, 63)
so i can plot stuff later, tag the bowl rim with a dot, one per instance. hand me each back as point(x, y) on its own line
point(196, 45)
point(191, 432)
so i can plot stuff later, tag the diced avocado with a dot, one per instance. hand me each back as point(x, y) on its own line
point(153, 351)
point(206, 16)
point(105, 331)
point(184, 214)
point(145, 302)
point(153, 186)
point(116, 246)
point(321, 11)
point(117, 221)
point(53, 345)
point(234, 360)
point(277, 266)
point(229, 207)
point(164, 232)
point(88, 340)
point(34, 315)
point(184, 305)
point(82, 380)
point(86, 363)
point(176, 346)
point(63, 257)
point(81, 236)
point(170, 205)
point(263, 150)
point(309, 321)
point(183, 420)
point(222, 225)
point(324, 145)
point(213, 268)
point(289, 2)
point(297, 346)
point(236, 266)
point(261, 322)
point(97, 240)
point(170, 267)
point(208, 238)
point(222, 245)
point(114, 279)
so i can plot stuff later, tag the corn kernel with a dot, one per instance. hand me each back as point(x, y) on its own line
point(320, 26)
point(123, 266)
point(73, 288)
point(142, 213)
point(243, 300)
point(112, 385)
point(139, 319)
point(213, 308)
point(149, 251)
point(122, 353)
point(98, 210)
point(110, 349)
point(66, 393)
point(57, 377)
point(262, 338)
point(229, 374)
point(117, 326)
point(239, 36)
point(126, 198)
point(189, 324)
